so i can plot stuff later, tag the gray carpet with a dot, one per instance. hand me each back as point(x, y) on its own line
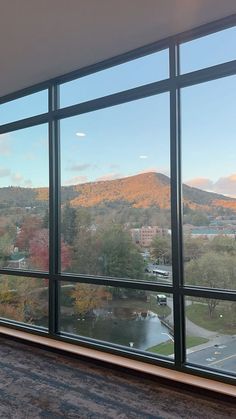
point(35, 383)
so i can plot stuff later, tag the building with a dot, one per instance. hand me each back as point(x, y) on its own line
point(145, 235)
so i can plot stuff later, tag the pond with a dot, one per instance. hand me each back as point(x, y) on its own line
point(122, 326)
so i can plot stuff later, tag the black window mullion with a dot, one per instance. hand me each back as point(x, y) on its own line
point(176, 213)
point(54, 212)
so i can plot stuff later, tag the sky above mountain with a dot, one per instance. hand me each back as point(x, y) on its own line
point(134, 137)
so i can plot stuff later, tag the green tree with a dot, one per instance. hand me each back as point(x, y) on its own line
point(5, 247)
point(212, 270)
point(223, 244)
point(161, 249)
point(69, 224)
point(118, 256)
point(194, 248)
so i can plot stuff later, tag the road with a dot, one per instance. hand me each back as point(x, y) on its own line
point(219, 356)
point(219, 352)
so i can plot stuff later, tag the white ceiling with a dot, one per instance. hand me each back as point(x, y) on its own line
point(42, 39)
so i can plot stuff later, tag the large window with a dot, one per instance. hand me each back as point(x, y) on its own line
point(115, 171)
point(24, 181)
point(209, 186)
point(118, 205)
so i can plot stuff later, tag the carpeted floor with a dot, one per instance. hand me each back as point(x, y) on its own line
point(35, 384)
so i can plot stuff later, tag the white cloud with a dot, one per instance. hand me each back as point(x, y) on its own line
point(224, 185)
point(80, 134)
point(201, 183)
point(143, 156)
point(76, 180)
point(79, 167)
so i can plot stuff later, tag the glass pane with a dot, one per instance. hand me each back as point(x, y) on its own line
point(209, 189)
point(116, 191)
point(24, 107)
point(24, 299)
point(211, 333)
point(209, 50)
point(134, 318)
point(24, 199)
point(148, 69)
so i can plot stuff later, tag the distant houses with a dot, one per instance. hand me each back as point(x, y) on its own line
point(211, 233)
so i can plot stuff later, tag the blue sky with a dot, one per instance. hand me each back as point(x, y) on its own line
point(134, 137)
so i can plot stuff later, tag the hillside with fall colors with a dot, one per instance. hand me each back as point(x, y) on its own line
point(144, 191)
point(140, 191)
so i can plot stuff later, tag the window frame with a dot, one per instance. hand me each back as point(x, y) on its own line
point(178, 289)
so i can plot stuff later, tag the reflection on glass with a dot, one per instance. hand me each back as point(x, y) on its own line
point(144, 70)
point(116, 192)
point(211, 333)
point(24, 299)
point(209, 50)
point(24, 107)
point(134, 318)
point(24, 199)
point(209, 189)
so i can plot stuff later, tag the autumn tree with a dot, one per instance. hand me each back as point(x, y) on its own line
point(88, 297)
point(39, 252)
point(28, 229)
point(22, 299)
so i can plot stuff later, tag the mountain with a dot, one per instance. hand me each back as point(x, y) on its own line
point(143, 191)
point(139, 191)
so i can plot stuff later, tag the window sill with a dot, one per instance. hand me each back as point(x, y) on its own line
point(142, 367)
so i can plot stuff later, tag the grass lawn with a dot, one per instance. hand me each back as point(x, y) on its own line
point(167, 348)
point(223, 319)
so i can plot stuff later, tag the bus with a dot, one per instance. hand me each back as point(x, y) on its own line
point(159, 272)
point(161, 299)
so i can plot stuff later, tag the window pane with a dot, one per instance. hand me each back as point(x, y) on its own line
point(24, 199)
point(148, 69)
point(116, 191)
point(24, 299)
point(209, 190)
point(207, 51)
point(211, 333)
point(135, 318)
point(24, 107)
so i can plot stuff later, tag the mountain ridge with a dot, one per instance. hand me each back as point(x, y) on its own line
point(139, 191)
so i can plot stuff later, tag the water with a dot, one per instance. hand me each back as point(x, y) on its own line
point(120, 326)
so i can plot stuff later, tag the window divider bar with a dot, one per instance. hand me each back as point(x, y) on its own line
point(176, 213)
point(54, 212)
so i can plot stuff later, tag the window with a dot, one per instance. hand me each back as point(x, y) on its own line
point(207, 51)
point(24, 107)
point(24, 300)
point(209, 188)
point(24, 181)
point(115, 172)
point(99, 244)
point(144, 70)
